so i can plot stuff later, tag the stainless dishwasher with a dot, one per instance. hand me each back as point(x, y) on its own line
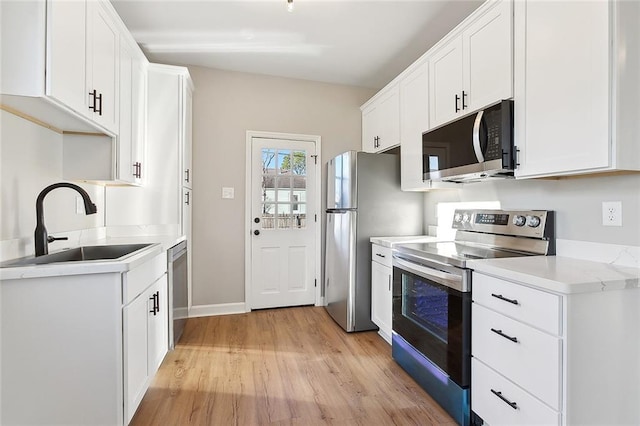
point(178, 291)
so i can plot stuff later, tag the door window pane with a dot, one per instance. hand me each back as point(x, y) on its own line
point(284, 192)
point(284, 161)
point(268, 213)
point(299, 160)
point(268, 160)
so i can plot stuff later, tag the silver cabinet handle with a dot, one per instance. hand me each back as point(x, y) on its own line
point(476, 137)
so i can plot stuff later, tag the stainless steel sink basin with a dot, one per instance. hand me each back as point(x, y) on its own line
point(79, 254)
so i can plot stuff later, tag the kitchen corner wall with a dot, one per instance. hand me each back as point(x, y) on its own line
point(577, 202)
point(225, 105)
point(30, 160)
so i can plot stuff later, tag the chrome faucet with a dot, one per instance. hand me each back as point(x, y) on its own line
point(41, 238)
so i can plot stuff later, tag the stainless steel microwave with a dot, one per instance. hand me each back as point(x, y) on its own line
point(476, 147)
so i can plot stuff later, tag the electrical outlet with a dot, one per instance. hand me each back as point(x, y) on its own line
point(612, 213)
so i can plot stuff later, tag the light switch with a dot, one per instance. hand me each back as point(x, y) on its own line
point(227, 192)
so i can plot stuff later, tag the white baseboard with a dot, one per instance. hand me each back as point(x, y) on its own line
point(219, 309)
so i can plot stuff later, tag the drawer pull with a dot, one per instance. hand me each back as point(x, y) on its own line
point(501, 297)
point(499, 395)
point(499, 332)
point(381, 255)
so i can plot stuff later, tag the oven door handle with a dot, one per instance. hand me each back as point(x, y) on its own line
point(446, 279)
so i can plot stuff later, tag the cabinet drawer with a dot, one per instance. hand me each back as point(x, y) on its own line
point(135, 281)
point(537, 308)
point(496, 411)
point(526, 356)
point(381, 255)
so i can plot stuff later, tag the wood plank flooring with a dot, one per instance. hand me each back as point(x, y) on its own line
point(291, 366)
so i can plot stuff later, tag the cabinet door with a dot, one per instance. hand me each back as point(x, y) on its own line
point(562, 100)
point(388, 117)
point(187, 199)
point(187, 121)
point(369, 129)
point(136, 335)
point(131, 137)
point(381, 298)
point(125, 169)
point(103, 54)
point(445, 83)
point(158, 324)
point(487, 46)
point(414, 120)
point(66, 54)
point(139, 114)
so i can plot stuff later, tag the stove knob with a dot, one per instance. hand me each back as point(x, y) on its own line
point(466, 217)
point(519, 220)
point(457, 217)
point(533, 221)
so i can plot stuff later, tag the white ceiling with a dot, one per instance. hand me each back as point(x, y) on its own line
point(354, 42)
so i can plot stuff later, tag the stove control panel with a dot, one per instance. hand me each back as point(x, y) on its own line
point(524, 223)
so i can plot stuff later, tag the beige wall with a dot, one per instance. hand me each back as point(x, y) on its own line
point(226, 105)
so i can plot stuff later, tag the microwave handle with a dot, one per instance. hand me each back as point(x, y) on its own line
point(477, 148)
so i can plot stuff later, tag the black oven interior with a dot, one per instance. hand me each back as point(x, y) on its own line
point(435, 320)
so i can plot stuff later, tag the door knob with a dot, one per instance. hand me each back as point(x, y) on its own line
point(256, 232)
point(256, 220)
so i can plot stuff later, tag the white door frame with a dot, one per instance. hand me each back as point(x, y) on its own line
point(247, 209)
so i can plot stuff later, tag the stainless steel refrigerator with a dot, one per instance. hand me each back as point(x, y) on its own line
point(364, 200)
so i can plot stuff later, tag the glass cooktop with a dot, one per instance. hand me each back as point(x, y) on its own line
point(456, 253)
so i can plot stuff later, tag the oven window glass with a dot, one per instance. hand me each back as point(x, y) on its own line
point(426, 306)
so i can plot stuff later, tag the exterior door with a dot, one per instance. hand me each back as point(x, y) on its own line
point(283, 223)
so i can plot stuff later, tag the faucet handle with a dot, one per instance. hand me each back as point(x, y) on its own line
point(51, 239)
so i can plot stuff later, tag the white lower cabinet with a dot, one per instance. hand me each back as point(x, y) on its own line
point(544, 358)
point(381, 290)
point(502, 402)
point(81, 349)
point(145, 340)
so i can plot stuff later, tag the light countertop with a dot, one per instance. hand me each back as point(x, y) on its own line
point(390, 241)
point(159, 244)
point(562, 275)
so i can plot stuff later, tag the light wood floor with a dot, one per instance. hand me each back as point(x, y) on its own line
point(290, 366)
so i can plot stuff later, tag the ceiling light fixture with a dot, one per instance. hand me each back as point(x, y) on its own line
point(290, 5)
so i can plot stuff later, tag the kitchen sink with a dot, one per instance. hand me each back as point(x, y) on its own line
point(78, 254)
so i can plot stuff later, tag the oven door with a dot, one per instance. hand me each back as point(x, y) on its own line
point(433, 314)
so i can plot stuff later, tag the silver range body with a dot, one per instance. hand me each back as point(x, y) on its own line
point(432, 285)
point(364, 199)
point(484, 234)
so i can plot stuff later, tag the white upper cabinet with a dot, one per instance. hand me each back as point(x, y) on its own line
point(60, 63)
point(102, 65)
point(445, 83)
point(487, 49)
point(381, 120)
point(131, 136)
point(576, 87)
point(187, 135)
point(414, 120)
point(67, 58)
point(473, 68)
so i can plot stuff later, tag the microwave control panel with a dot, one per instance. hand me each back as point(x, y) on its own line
point(525, 223)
